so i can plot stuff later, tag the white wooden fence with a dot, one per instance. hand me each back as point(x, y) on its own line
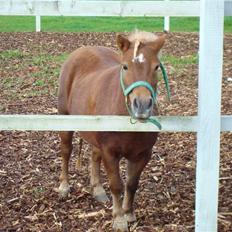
point(208, 123)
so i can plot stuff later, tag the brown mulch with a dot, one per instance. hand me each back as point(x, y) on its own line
point(30, 166)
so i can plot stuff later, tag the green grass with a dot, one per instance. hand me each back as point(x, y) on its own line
point(101, 24)
point(8, 54)
point(29, 75)
point(178, 64)
point(180, 61)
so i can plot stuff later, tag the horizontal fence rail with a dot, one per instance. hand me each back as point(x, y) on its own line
point(103, 8)
point(102, 123)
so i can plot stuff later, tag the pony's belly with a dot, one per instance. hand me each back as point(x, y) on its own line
point(90, 137)
point(126, 143)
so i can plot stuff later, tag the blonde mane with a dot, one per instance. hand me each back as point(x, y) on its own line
point(138, 37)
point(142, 36)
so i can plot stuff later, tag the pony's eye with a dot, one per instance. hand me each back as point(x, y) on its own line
point(125, 67)
point(156, 67)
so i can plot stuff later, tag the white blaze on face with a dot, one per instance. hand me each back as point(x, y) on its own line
point(139, 59)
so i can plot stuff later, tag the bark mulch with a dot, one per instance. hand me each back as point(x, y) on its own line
point(30, 164)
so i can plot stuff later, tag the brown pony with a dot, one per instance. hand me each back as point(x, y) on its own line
point(90, 85)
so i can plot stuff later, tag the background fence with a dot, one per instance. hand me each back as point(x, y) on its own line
point(208, 123)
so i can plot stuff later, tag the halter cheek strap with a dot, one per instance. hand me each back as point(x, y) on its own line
point(165, 77)
point(129, 89)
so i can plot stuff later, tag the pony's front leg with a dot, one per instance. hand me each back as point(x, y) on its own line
point(111, 163)
point(95, 164)
point(134, 170)
point(66, 150)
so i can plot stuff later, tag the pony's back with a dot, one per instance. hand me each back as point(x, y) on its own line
point(82, 63)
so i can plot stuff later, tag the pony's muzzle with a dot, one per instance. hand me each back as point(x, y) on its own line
point(142, 107)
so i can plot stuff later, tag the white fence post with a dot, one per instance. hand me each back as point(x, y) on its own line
point(38, 23)
point(209, 106)
point(166, 21)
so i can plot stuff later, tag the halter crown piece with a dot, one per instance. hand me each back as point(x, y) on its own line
point(129, 89)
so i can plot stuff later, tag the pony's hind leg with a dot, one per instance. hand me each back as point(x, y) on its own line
point(95, 164)
point(66, 150)
point(134, 170)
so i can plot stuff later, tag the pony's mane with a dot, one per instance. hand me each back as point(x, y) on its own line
point(142, 36)
point(138, 37)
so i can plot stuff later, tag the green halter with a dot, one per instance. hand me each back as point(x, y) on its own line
point(129, 89)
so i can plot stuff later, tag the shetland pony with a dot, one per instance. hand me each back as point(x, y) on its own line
point(90, 85)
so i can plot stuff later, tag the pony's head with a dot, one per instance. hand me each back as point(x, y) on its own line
point(140, 63)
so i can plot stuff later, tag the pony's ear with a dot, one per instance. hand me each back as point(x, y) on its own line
point(122, 42)
point(158, 43)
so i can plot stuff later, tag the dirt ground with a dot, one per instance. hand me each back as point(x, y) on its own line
point(30, 164)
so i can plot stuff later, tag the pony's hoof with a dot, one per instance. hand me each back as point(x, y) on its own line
point(63, 190)
point(120, 224)
point(102, 198)
point(100, 194)
point(130, 217)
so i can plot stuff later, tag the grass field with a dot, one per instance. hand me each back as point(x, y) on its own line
point(101, 24)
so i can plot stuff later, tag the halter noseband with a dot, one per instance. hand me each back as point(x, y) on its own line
point(129, 89)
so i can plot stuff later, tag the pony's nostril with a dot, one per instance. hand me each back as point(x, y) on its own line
point(150, 103)
point(136, 104)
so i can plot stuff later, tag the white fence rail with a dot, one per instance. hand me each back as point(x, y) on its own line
point(100, 8)
point(103, 123)
point(104, 8)
point(208, 124)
